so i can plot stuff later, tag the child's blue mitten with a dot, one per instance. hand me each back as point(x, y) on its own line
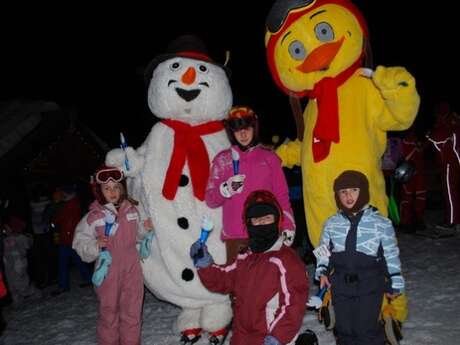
point(102, 269)
point(146, 245)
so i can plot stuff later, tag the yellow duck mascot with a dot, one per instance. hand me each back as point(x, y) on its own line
point(315, 49)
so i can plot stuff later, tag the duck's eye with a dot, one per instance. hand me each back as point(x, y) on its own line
point(297, 50)
point(203, 69)
point(324, 32)
point(174, 66)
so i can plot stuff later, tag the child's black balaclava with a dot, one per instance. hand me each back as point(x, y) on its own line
point(262, 237)
point(352, 179)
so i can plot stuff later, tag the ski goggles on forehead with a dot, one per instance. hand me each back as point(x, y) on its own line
point(280, 11)
point(106, 175)
point(240, 123)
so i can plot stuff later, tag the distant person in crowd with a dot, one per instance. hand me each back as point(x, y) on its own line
point(16, 246)
point(3, 294)
point(445, 137)
point(390, 160)
point(4, 203)
point(66, 220)
point(236, 172)
point(41, 260)
point(3, 219)
point(268, 281)
point(413, 192)
point(391, 157)
point(357, 252)
point(121, 292)
point(57, 202)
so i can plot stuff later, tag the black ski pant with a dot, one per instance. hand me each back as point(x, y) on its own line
point(357, 303)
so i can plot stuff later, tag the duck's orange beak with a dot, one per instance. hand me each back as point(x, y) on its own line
point(321, 57)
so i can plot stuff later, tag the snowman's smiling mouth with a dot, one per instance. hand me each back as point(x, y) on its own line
point(188, 95)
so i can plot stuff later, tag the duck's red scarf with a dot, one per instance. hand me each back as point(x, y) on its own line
point(327, 123)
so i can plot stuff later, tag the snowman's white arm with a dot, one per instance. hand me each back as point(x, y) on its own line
point(85, 239)
point(116, 158)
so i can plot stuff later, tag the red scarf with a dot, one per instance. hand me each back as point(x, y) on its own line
point(189, 146)
point(327, 123)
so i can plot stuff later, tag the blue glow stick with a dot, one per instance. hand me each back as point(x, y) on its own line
point(235, 161)
point(109, 221)
point(124, 145)
point(206, 227)
point(322, 292)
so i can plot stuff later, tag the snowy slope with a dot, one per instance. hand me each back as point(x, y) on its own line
point(431, 268)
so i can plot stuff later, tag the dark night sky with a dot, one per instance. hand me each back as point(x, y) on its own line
point(90, 57)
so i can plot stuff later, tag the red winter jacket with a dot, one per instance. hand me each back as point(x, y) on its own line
point(66, 219)
point(446, 140)
point(270, 290)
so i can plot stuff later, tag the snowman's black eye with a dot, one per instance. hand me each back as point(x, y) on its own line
point(174, 66)
point(203, 69)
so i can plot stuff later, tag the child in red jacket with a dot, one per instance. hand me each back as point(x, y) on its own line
point(66, 220)
point(268, 281)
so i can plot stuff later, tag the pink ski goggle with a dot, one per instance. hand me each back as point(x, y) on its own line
point(109, 174)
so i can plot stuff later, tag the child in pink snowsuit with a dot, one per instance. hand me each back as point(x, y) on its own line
point(236, 172)
point(122, 291)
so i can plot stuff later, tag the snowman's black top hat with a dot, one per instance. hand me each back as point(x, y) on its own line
point(188, 46)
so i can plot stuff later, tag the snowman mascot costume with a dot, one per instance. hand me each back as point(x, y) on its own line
point(168, 174)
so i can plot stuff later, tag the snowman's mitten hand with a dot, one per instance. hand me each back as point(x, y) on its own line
point(116, 158)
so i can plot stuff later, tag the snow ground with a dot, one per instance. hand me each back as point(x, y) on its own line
point(431, 268)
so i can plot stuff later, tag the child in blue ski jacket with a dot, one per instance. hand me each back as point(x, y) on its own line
point(358, 258)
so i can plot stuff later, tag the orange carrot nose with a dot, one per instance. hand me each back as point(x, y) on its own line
point(189, 76)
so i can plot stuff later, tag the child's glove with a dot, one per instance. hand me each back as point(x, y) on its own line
point(232, 186)
point(326, 312)
point(392, 327)
point(102, 269)
point(288, 237)
point(146, 245)
point(271, 340)
point(200, 255)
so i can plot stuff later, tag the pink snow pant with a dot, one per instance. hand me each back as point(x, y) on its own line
point(120, 304)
